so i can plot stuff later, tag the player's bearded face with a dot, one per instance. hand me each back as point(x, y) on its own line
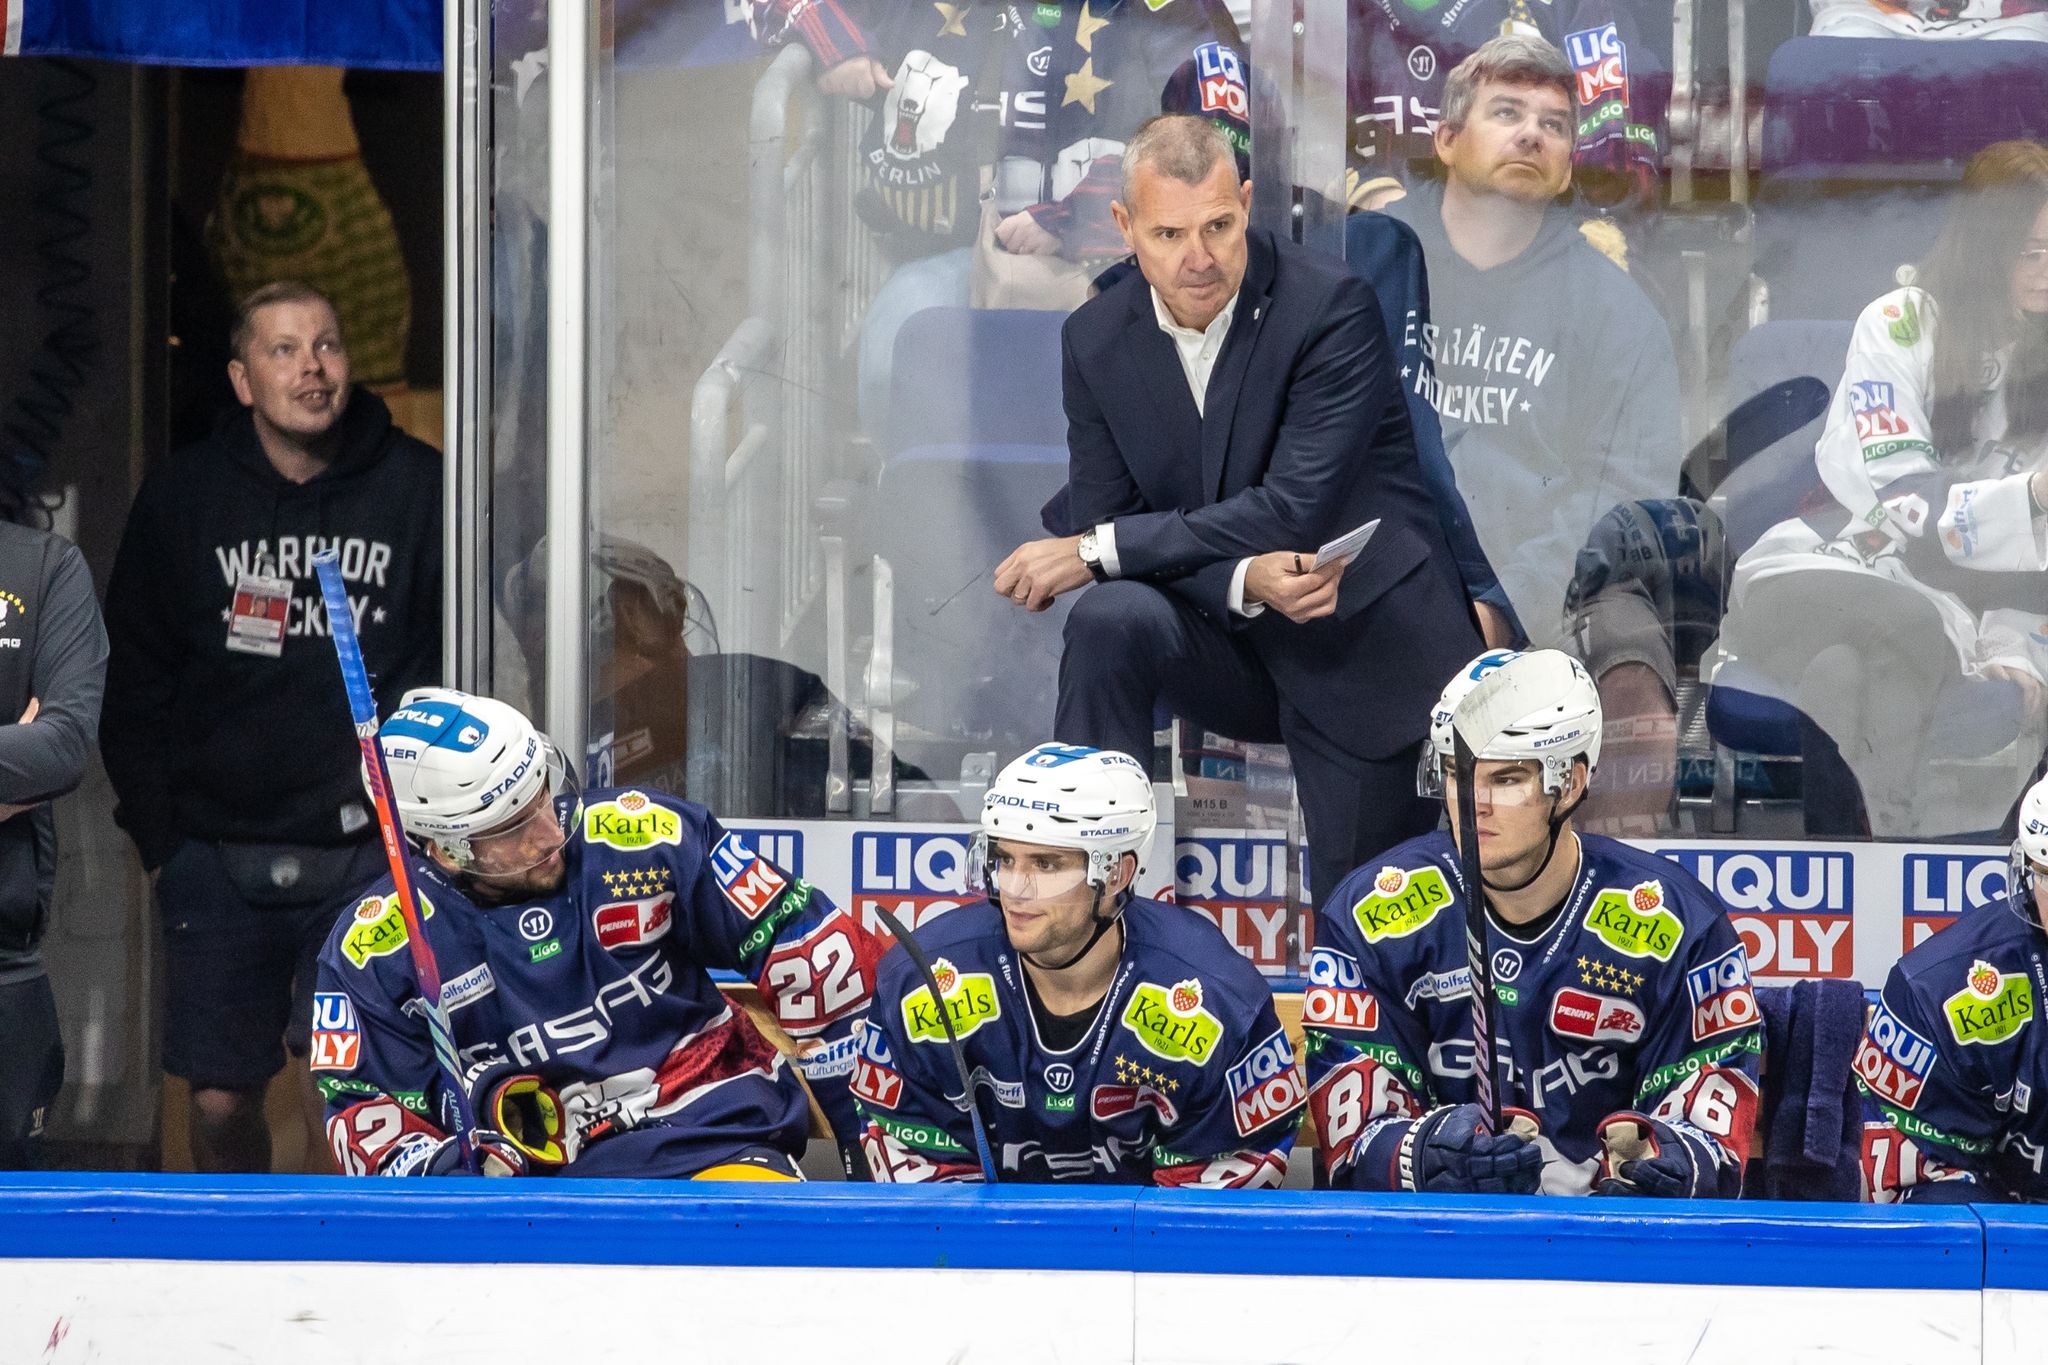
point(525, 858)
point(1516, 142)
point(1513, 812)
point(1048, 905)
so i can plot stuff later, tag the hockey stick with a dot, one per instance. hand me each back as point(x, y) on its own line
point(931, 982)
point(1500, 699)
point(362, 706)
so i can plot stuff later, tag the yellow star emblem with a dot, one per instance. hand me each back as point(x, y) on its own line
point(1639, 980)
point(1585, 978)
point(1084, 85)
point(1582, 964)
point(954, 19)
point(1085, 28)
point(1171, 1085)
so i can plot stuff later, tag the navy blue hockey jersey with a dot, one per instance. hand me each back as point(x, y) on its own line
point(1635, 999)
point(1950, 1065)
point(601, 989)
point(1184, 1078)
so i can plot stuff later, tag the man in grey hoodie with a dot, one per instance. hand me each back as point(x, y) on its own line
point(1553, 374)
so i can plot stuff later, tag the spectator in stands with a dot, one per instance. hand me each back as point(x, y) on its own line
point(226, 732)
point(1936, 456)
point(53, 663)
point(1231, 408)
point(2026, 20)
point(1552, 373)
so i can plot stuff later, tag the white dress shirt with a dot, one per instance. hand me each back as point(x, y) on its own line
point(1197, 352)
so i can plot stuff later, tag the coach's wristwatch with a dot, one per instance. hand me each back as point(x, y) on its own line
point(1090, 550)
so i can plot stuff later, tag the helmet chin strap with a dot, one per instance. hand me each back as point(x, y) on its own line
point(1103, 924)
point(1557, 819)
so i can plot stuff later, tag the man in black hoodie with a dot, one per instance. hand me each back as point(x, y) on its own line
point(226, 732)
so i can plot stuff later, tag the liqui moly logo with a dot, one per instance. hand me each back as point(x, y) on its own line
point(782, 847)
point(1939, 887)
point(1241, 885)
point(912, 874)
point(1791, 907)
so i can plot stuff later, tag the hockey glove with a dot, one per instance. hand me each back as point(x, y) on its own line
point(524, 1111)
point(424, 1155)
point(1450, 1150)
point(1646, 1156)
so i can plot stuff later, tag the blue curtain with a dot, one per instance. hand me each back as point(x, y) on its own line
point(391, 34)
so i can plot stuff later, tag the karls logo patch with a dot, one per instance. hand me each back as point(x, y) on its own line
point(1635, 922)
point(1401, 902)
point(1171, 1023)
point(632, 820)
point(378, 929)
point(1991, 1007)
point(970, 1002)
point(1893, 1060)
point(749, 882)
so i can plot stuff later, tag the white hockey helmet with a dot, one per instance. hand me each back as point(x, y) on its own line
point(1564, 727)
point(2029, 850)
point(461, 766)
point(1071, 796)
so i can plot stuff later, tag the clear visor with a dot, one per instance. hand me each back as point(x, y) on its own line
point(1028, 872)
point(533, 837)
point(1499, 784)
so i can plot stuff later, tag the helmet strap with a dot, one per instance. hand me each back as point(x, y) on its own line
point(1558, 816)
point(1103, 924)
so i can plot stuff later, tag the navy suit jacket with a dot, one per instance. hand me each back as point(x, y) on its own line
point(1306, 436)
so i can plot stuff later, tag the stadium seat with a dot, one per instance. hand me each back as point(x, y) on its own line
point(973, 444)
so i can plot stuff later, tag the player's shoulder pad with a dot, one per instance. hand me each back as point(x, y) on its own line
point(1389, 899)
point(369, 936)
point(1972, 983)
point(1174, 941)
point(969, 937)
point(637, 820)
point(1615, 866)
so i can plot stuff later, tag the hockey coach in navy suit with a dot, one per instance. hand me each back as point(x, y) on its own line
point(1231, 406)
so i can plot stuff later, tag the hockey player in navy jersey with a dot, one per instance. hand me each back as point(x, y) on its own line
point(1109, 1038)
point(573, 933)
point(1625, 1034)
point(1953, 1074)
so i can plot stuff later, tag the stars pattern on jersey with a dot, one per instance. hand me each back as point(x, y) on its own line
point(1084, 30)
point(638, 881)
point(1084, 85)
point(1129, 1072)
point(952, 19)
point(1607, 976)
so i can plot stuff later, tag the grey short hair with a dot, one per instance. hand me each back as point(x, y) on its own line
point(1511, 59)
point(1183, 147)
point(277, 291)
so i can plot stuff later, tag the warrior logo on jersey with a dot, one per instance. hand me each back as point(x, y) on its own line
point(1401, 903)
point(379, 929)
point(336, 1042)
point(750, 882)
point(1893, 1060)
point(970, 1002)
point(1721, 999)
point(1600, 61)
point(1266, 1086)
point(1635, 922)
point(630, 821)
point(1172, 1023)
point(1991, 1007)
point(630, 924)
point(1595, 1018)
point(1221, 78)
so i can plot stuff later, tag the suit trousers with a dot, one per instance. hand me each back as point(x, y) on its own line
point(1131, 646)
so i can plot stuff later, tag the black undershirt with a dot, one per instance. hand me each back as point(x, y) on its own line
point(1534, 930)
point(1059, 1032)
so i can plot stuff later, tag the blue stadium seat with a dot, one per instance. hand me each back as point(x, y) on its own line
point(973, 444)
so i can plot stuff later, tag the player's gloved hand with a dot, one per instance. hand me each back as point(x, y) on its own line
point(423, 1155)
point(519, 1108)
point(1451, 1150)
point(1646, 1156)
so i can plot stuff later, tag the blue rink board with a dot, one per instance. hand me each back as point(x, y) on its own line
point(1281, 1232)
